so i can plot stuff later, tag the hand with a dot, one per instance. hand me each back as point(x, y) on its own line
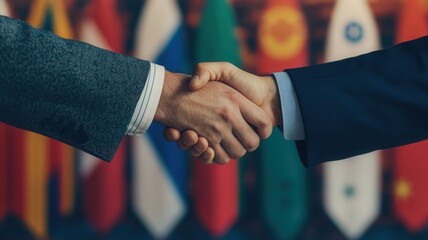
point(262, 90)
point(217, 112)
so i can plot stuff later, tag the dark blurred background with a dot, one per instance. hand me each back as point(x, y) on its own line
point(49, 191)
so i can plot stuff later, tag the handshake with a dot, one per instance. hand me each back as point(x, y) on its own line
point(220, 113)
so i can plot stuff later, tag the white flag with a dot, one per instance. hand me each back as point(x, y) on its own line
point(4, 9)
point(156, 198)
point(352, 186)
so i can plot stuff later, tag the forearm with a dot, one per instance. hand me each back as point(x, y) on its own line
point(374, 101)
point(67, 90)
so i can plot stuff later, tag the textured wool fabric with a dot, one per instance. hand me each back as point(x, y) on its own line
point(67, 90)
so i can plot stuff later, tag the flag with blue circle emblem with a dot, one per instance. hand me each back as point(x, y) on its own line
point(159, 167)
point(351, 193)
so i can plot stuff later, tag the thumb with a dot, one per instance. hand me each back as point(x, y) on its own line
point(201, 77)
point(198, 80)
point(210, 71)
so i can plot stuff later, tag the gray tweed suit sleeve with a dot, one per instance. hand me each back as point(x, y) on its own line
point(67, 90)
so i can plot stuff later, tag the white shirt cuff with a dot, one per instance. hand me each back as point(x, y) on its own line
point(148, 102)
point(291, 116)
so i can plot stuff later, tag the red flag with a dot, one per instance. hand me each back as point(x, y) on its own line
point(3, 171)
point(411, 161)
point(410, 178)
point(411, 22)
point(104, 192)
point(103, 184)
point(16, 168)
point(216, 194)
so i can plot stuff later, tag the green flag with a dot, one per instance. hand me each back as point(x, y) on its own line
point(282, 43)
point(217, 186)
point(216, 38)
point(283, 187)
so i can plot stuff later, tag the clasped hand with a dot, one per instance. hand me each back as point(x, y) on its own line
point(220, 113)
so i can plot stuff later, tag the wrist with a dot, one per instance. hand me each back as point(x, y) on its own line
point(164, 102)
point(174, 86)
point(274, 101)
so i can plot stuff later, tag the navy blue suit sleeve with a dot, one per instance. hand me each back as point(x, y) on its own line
point(374, 101)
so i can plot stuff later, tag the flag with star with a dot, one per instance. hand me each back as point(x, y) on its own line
point(104, 184)
point(351, 194)
point(283, 39)
point(214, 185)
point(410, 162)
point(160, 38)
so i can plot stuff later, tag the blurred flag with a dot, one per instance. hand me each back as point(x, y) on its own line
point(16, 173)
point(104, 189)
point(155, 198)
point(61, 156)
point(36, 158)
point(216, 187)
point(3, 171)
point(410, 162)
point(52, 15)
point(282, 44)
point(352, 186)
point(283, 37)
point(411, 22)
point(4, 8)
point(161, 39)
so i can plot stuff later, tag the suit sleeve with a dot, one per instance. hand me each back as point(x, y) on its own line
point(67, 90)
point(370, 102)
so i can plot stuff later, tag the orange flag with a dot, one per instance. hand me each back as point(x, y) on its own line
point(411, 161)
point(282, 44)
point(282, 37)
point(36, 160)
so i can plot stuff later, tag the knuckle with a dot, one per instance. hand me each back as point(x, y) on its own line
point(252, 144)
point(215, 137)
point(232, 96)
point(265, 127)
point(227, 115)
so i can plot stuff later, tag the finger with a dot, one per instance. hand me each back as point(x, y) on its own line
point(188, 139)
point(255, 116)
point(224, 72)
point(213, 71)
point(246, 135)
point(200, 147)
point(233, 147)
point(221, 156)
point(171, 134)
point(208, 156)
